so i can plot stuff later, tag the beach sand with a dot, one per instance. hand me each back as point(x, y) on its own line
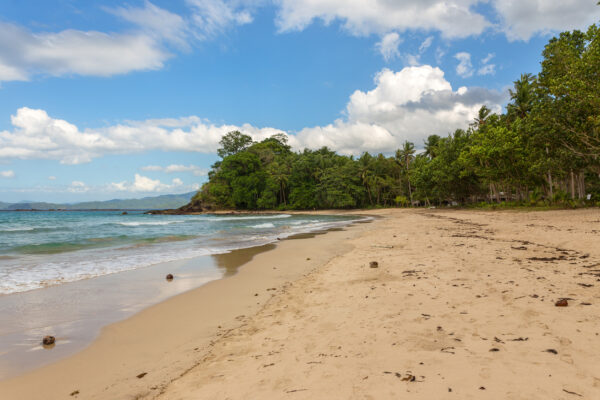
point(461, 305)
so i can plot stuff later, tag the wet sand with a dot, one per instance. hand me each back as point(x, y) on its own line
point(461, 305)
point(75, 312)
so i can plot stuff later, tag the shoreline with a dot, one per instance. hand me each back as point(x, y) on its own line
point(125, 336)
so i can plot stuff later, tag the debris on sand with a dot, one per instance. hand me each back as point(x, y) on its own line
point(48, 340)
point(561, 303)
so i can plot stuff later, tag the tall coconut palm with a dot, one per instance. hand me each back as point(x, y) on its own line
point(366, 173)
point(430, 146)
point(482, 116)
point(522, 97)
point(404, 157)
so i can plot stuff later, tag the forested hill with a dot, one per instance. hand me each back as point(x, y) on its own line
point(544, 149)
point(166, 201)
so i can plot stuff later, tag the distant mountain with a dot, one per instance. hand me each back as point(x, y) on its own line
point(163, 202)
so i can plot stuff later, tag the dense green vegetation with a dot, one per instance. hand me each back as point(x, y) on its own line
point(543, 150)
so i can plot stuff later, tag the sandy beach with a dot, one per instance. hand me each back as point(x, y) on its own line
point(461, 305)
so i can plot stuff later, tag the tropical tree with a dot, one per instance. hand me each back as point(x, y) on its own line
point(232, 143)
point(405, 156)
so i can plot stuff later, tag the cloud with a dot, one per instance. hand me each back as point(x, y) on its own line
point(520, 20)
point(7, 174)
point(488, 58)
point(36, 135)
point(409, 104)
point(156, 22)
point(388, 46)
point(147, 45)
point(51, 178)
point(24, 53)
point(144, 184)
point(195, 169)
point(439, 55)
point(426, 43)
point(213, 17)
point(78, 187)
point(453, 18)
point(487, 68)
point(464, 68)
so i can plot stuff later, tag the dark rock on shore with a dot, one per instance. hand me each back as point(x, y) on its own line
point(48, 340)
point(187, 209)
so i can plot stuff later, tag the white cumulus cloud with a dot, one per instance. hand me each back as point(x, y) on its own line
point(410, 104)
point(146, 185)
point(36, 135)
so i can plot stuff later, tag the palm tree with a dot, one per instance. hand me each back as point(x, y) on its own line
point(364, 170)
point(404, 157)
point(431, 146)
point(482, 116)
point(522, 97)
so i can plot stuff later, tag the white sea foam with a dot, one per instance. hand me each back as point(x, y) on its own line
point(79, 267)
point(217, 218)
point(265, 225)
point(157, 223)
point(18, 229)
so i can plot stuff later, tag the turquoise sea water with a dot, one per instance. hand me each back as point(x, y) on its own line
point(39, 249)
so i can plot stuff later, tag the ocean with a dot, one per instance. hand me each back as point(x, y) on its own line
point(41, 249)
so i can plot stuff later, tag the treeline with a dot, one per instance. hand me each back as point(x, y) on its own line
point(543, 150)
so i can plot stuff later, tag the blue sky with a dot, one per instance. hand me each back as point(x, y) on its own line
point(114, 99)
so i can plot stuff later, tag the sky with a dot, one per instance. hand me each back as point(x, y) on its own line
point(111, 99)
